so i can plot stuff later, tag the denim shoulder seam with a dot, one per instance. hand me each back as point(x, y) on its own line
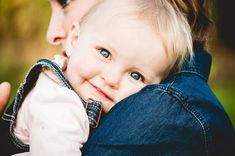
point(173, 92)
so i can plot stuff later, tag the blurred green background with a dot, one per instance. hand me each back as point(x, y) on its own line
point(23, 26)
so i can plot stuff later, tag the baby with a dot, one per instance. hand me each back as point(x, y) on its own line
point(117, 48)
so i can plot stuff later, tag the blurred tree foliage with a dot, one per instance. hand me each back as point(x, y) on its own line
point(23, 26)
point(23, 19)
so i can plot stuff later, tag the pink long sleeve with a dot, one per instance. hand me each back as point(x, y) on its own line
point(52, 120)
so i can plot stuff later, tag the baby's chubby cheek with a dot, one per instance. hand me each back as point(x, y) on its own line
point(63, 62)
point(72, 79)
point(121, 96)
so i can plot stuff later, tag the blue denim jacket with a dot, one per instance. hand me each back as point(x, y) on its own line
point(180, 116)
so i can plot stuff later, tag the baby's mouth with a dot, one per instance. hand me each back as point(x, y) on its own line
point(102, 93)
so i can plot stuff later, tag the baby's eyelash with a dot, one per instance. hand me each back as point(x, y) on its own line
point(139, 76)
point(64, 3)
point(104, 52)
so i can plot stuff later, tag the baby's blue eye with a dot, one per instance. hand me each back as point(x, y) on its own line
point(137, 76)
point(105, 53)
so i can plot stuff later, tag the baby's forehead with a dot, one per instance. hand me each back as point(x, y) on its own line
point(106, 9)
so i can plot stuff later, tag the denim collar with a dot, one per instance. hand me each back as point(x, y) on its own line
point(200, 65)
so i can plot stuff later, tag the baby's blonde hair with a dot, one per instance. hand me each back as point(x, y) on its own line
point(167, 21)
point(172, 27)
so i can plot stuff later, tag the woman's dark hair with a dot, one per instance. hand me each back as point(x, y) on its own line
point(198, 13)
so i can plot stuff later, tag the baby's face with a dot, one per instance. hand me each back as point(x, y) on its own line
point(115, 56)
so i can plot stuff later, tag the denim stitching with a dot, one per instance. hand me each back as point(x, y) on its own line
point(181, 98)
point(55, 68)
point(19, 96)
point(170, 90)
point(203, 127)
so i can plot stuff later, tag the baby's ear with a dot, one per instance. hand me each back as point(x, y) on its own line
point(72, 38)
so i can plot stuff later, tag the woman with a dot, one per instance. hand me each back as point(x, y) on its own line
point(181, 116)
